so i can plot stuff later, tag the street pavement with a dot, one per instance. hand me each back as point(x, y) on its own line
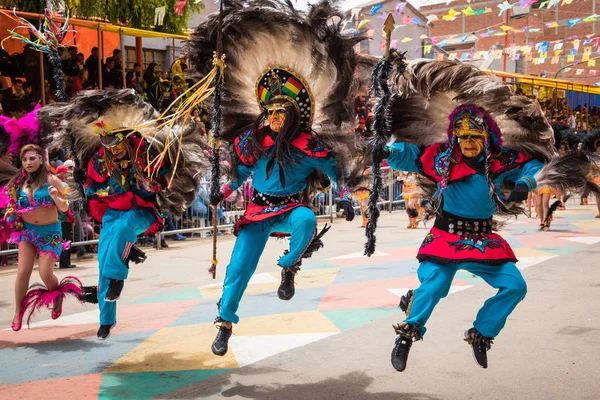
point(333, 339)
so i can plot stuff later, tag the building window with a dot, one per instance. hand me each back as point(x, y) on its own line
point(150, 56)
point(129, 57)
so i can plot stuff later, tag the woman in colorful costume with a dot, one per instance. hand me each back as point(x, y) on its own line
point(413, 196)
point(301, 82)
point(543, 195)
point(31, 202)
point(7, 171)
point(469, 160)
point(361, 195)
point(128, 170)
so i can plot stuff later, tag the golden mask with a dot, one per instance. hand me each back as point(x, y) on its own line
point(276, 116)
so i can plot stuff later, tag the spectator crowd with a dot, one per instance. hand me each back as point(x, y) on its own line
point(21, 87)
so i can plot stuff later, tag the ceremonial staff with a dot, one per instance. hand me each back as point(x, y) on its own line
point(379, 88)
point(215, 187)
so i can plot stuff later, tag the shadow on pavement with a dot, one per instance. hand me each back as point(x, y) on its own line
point(354, 385)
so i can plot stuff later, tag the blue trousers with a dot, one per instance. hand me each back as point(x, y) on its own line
point(118, 228)
point(436, 280)
point(251, 241)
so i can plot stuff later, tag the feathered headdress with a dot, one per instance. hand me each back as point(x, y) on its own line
point(266, 42)
point(426, 92)
point(120, 113)
point(26, 130)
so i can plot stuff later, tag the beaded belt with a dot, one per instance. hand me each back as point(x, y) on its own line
point(458, 225)
point(263, 199)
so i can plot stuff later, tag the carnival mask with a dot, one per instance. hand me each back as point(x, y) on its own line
point(471, 146)
point(471, 131)
point(276, 116)
point(120, 150)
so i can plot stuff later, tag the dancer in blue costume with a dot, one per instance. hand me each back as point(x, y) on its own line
point(129, 177)
point(488, 139)
point(281, 156)
point(124, 201)
point(304, 70)
point(462, 237)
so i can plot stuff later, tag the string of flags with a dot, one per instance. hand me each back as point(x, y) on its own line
point(587, 58)
point(502, 8)
point(514, 51)
point(404, 19)
point(469, 12)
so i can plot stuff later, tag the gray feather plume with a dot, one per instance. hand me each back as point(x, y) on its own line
point(427, 91)
point(569, 173)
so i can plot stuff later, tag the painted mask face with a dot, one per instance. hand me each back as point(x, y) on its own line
point(276, 117)
point(120, 150)
point(31, 161)
point(471, 146)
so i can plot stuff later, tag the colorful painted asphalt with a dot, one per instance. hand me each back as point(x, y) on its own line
point(162, 343)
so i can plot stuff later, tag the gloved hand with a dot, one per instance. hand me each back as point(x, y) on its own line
point(348, 209)
point(79, 176)
point(215, 200)
point(519, 193)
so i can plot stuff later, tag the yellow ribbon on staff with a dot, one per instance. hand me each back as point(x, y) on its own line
point(193, 96)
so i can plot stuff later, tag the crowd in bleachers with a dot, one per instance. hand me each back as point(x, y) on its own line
point(580, 117)
point(21, 87)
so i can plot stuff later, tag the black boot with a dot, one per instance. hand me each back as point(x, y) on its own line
point(286, 289)
point(480, 345)
point(104, 331)
point(219, 346)
point(400, 352)
point(114, 290)
point(404, 341)
point(136, 255)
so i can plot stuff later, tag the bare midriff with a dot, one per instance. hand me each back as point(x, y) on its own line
point(41, 216)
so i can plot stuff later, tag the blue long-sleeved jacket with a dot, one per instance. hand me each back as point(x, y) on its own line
point(468, 197)
point(295, 174)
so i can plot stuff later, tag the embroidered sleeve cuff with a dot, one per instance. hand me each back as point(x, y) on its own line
point(226, 190)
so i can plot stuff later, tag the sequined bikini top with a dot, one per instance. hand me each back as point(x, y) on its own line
point(41, 198)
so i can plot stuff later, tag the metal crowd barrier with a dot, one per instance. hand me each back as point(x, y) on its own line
point(197, 220)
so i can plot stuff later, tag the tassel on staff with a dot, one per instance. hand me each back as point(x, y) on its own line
point(382, 132)
point(215, 187)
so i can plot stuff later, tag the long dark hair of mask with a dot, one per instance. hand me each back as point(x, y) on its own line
point(288, 132)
